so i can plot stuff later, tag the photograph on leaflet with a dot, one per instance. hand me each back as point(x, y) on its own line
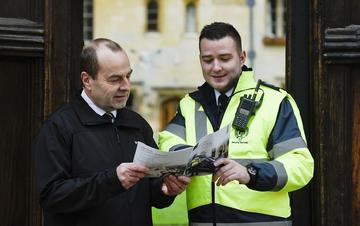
point(190, 161)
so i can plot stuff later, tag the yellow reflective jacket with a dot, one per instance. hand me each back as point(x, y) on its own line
point(279, 152)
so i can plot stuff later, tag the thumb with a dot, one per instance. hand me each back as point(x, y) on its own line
point(164, 189)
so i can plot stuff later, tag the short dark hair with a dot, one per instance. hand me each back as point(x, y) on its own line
point(219, 30)
point(88, 58)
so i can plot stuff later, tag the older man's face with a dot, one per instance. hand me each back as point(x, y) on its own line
point(111, 88)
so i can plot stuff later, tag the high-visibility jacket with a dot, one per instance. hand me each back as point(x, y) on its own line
point(274, 143)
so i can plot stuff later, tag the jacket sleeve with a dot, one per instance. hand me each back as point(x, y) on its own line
point(174, 136)
point(291, 165)
point(60, 192)
point(157, 198)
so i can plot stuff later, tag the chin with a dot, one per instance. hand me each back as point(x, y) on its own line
point(220, 88)
point(119, 106)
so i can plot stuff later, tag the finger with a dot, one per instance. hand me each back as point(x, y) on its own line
point(167, 189)
point(227, 180)
point(133, 180)
point(136, 174)
point(173, 187)
point(178, 183)
point(173, 180)
point(223, 177)
point(171, 184)
point(131, 176)
point(220, 161)
point(184, 179)
point(229, 176)
point(170, 191)
point(216, 176)
point(220, 180)
point(229, 165)
point(138, 167)
point(128, 168)
point(129, 183)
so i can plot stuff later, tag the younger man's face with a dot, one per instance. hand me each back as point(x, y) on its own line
point(221, 62)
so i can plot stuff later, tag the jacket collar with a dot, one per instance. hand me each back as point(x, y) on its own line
point(89, 117)
point(205, 95)
point(246, 81)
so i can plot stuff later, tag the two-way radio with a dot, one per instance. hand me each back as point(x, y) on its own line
point(246, 108)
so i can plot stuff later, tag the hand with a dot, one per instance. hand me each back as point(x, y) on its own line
point(174, 185)
point(230, 170)
point(130, 173)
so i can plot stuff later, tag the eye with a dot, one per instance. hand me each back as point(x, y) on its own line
point(207, 60)
point(113, 79)
point(225, 58)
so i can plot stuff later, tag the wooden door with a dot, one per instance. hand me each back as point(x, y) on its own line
point(323, 56)
point(40, 41)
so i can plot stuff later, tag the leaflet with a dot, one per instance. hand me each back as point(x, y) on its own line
point(191, 161)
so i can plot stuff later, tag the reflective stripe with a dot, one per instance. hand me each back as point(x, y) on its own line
point(274, 223)
point(281, 173)
point(178, 146)
point(177, 130)
point(286, 146)
point(245, 162)
point(200, 122)
point(278, 166)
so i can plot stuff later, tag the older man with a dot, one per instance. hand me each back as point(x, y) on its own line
point(83, 153)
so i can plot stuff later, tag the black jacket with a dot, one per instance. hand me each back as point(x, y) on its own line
point(76, 154)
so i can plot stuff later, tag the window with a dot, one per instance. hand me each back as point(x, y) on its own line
point(168, 110)
point(88, 20)
point(152, 15)
point(190, 24)
point(275, 22)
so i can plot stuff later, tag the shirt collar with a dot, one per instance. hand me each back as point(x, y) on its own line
point(217, 94)
point(93, 106)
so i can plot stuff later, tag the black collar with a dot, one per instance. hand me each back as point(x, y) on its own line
point(205, 96)
point(87, 116)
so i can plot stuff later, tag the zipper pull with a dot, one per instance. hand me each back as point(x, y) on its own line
point(117, 134)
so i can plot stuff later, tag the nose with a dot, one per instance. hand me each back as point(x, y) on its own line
point(125, 84)
point(217, 66)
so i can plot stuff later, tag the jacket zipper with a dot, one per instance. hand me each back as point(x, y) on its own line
point(117, 134)
point(213, 207)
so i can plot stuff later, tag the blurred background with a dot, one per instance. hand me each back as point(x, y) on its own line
point(40, 43)
point(161, 39)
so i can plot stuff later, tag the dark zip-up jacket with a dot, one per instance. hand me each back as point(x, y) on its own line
point(76, 154)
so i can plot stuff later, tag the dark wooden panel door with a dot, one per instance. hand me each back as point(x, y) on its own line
point(20, 79)
point(355, 77)
point(323, 57)
point(40, 41)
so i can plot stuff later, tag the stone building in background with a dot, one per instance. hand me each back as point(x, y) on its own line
point(161, 38)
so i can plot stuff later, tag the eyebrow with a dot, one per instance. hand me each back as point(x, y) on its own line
point(130, 72)
point(221, 55)
point(122, 75)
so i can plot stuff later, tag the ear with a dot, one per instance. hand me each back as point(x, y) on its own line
point(86, 80)
point(243, 57)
